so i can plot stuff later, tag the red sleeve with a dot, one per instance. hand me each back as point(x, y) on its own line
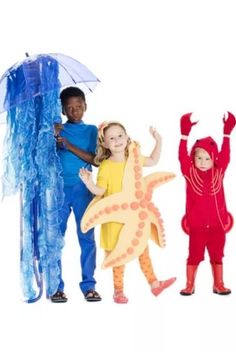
point(224, 154)
point(185, 160)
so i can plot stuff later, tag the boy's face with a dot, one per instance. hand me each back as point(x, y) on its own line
point(74, 109)
point(202, 160)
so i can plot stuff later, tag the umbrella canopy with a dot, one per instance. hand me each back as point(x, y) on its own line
point(29, 92)
point(28, 76)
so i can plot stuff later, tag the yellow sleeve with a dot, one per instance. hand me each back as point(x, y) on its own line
point(102, 176)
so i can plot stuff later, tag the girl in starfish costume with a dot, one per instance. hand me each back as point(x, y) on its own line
point(112, 153)
point(207, 219)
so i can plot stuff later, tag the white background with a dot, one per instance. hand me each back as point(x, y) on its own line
point(156, 61)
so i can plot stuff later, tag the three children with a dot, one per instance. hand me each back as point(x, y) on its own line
point(206, 220)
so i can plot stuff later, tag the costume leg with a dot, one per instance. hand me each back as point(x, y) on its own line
point(81, 199)
point(64, 215)
point(118, 278)
point(197, 243)
point(197, 240)
point(191, 271)
point(215, 248)
point(146, 266)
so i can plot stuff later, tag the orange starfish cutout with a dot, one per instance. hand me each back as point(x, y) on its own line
point(131, 207)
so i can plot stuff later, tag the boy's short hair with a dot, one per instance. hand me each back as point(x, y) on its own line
point(71, 92)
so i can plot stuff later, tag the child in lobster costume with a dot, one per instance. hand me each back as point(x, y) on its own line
point(206, 220)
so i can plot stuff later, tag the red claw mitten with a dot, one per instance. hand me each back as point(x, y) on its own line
point(186, 124)
point(229, 123)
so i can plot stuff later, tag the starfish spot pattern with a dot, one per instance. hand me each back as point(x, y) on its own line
point(133, 208)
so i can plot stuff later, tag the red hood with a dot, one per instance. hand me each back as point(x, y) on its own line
point(209, 145)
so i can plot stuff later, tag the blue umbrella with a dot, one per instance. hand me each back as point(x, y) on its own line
point(28, 76)
point(29, 92)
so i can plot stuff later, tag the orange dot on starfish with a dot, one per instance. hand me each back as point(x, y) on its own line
point(130, 250)
point(115, 207)
point(138, 194)
point(141, 225)
point(135, 242)
point(143, 203)
point(139, 233)
point(108, 210)
point(138, 185)
point(137, 168)
point(134, 205)
point(124, 206)
point(148, 196)
point(143, 215)
point(153, 183)
point(137, 176)
point(151, 206)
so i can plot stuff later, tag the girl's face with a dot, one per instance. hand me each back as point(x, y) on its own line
point(202, 160)
point(115, 139)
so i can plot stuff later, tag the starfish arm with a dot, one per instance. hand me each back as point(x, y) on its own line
point(157, 229)
point(131, 244)
point(132, 179)
point(157, 179)
point(108, 209)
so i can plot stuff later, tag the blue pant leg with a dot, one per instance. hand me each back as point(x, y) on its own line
point(86, 241)
point(64, 215)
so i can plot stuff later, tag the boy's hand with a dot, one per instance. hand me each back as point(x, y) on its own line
point(229, 124)
point(57, 129)
point(154, 133)
point(62, 142)
point(186, 124)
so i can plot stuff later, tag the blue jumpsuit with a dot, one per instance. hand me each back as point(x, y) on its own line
point(77, 196)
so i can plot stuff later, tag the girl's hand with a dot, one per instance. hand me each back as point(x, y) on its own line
point(85, 175)
point(154, 133)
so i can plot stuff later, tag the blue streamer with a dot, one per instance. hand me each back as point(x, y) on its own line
point(31, 165)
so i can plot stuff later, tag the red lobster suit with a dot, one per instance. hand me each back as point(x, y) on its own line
point(207, 218)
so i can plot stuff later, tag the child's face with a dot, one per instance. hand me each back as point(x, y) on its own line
point(202, 160)
point(74, 109)
point(115, 139)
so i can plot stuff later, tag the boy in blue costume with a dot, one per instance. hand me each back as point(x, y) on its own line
point(76, 148)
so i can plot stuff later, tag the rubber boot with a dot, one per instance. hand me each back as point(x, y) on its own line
point(218, 287)
point(191, 271)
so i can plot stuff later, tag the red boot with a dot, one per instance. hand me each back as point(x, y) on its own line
point(218, 287)
point(191, 274)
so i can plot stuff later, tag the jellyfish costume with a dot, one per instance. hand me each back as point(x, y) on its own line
point(32, 168)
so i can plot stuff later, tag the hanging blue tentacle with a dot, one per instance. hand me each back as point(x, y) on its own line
point(32, 165)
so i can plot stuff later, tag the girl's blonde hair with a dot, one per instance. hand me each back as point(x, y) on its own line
point(103, 153)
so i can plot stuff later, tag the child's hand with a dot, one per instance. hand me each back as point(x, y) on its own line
point(62, 142)
point(229, 123)
point(154, 133)
point(85, 175)
point(57, 129)
point(186, 124)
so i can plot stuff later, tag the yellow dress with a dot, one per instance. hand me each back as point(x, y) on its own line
point(110, 176)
